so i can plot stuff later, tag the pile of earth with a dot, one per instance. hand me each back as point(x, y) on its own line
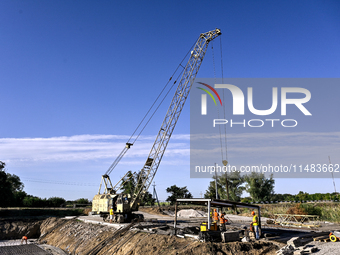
point(191, 213)
point(170, 210)
point(187, 213)
point(77, 237)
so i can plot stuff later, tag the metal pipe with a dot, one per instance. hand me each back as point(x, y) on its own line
point(209, 219)
point(259, 218)
point(175, 222)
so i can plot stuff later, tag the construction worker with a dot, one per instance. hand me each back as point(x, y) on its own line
point(215, 218)
point(111, 214)
point(256, 225)
point(222, 221)
point(24, 238)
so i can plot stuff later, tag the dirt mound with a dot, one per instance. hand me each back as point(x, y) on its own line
point(73, 235)
point(77, 237)
point(191, 213)
point(142, 243)
point(49, 224)
point(170, 210)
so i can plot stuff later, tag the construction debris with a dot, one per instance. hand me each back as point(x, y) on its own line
point(293, 247)
point(295, 242)
point(230, 236)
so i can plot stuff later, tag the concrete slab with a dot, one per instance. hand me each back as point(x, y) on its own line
point(26, 249)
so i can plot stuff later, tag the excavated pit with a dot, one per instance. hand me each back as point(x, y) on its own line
point(77, 237)
point(73, 236)
point(16, 229)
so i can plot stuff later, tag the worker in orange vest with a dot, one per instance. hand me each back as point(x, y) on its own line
point(222, 221)
point(215, 218)
point(24, 238)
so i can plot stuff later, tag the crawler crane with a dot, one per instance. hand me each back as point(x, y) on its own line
point(125, 204)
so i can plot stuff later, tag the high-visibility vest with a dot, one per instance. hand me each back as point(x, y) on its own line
point(215, 216)
point(111, 211)
point(255, 221)
point(222, 220)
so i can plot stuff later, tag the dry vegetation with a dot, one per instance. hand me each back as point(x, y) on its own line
point(327, 211)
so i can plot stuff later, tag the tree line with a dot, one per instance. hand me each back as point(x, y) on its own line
point(229, 186)
point(260, 189)
point(257, 185)
point(13, 195)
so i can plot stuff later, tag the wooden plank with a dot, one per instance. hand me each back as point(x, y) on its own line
point(304, 237)
point(319, 238)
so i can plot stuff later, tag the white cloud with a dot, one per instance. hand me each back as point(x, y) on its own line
point(82, 147)
point(106, 147)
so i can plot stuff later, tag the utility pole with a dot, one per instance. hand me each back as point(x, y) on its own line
point(225, 162)
point(216, 183)
point(216, 186)
point(329, 159)
point(154, 195)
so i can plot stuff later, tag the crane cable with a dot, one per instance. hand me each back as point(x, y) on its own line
point(225, 162)
point(218, 112)
point(224, 115)
point(128, 143)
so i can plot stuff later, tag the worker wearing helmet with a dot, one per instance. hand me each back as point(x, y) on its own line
point(24, 239)
point(215, 218)
point(111, 214)
point(256, 225)
point(222, 221)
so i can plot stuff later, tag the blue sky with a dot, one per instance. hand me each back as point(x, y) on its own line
point(76, 77)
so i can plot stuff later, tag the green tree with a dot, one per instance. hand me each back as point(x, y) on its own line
point(259, 187)
point(55, 201)
point(11, 188)
point(235, 186)
point(303, 196)
point(177, 192)
point(246, 200)
point(82, 201)
point(6, 194)
point(211, 191)
point(31, 201)
point(16, 184)
point(18, 198)
point(130, 183)
point(148, 199)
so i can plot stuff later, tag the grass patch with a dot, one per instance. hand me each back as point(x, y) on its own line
point(327, 211)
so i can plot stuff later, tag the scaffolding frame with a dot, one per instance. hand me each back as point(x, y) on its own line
point(220, 203)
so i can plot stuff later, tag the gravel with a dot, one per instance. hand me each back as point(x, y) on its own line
point(326, 248)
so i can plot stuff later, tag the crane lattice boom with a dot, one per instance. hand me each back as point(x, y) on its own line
point(189, 74)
